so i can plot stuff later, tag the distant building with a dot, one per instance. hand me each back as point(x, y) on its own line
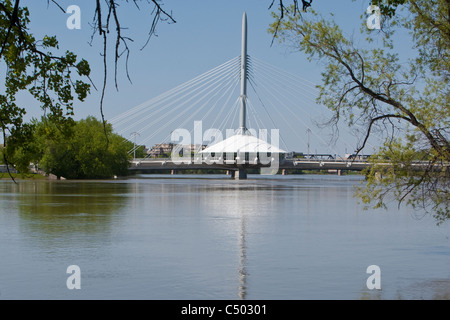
point(162, 149)
point(165, 149)
point(357, 157)
point(195, 147)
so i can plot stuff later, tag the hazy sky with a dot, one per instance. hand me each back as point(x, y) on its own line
point(206, 34)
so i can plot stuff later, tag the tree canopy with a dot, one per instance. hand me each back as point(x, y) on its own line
point(30, 64)
point(54, 80)
point(408, 104)
point(80, 151)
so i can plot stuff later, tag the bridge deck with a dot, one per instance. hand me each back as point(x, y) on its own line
point(302, 164)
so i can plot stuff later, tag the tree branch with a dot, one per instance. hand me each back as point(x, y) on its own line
point(13, 20)
point(371, 123)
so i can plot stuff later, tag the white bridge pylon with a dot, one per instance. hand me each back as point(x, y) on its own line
point(269, 98)
point(243, 142)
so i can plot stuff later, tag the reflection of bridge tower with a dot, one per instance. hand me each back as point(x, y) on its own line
point(242, 260)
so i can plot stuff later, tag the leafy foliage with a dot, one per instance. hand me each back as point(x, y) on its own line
point(33, 65)
point(54, 79)
point(78, 152)
point(388, 7)
point(408, 104)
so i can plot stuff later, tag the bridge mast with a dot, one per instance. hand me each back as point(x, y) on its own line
point(242, 172)
point(243, 115)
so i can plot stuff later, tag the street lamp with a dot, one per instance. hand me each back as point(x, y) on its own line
point(134, 147)
point(308, 132)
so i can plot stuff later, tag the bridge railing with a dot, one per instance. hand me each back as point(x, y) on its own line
point(199, 160)
point(326, 160)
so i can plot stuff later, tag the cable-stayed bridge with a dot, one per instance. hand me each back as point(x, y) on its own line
point(254, 115)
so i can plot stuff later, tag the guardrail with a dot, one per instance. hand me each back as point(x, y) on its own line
point(287, 163)
point(219, 163)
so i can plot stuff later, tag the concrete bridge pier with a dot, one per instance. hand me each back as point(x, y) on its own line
point(241, 174)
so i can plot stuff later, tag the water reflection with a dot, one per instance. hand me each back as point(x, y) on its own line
point(213, 238)
point(241, 203)
point(242, 262)
point(433, 289)
point(62, 209)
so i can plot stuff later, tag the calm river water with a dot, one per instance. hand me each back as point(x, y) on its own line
point(210, 237)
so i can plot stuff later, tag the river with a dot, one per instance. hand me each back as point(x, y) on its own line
point(211, 237)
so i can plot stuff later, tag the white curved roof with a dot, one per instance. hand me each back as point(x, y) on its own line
point(242, 143)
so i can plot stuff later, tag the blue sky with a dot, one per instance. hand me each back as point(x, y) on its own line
point(206, 34)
